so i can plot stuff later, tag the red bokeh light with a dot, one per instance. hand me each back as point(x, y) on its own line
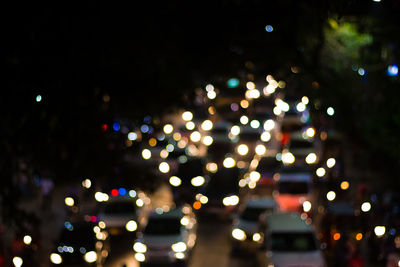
point(114, 192)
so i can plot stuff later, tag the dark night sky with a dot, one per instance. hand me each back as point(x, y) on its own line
point(138, 50)
point(145, 56)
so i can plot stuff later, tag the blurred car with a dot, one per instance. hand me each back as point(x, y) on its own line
point(249, 139)
point(305, 149)
point(262, 105)
point(122, 212)
point(175, 158)
point(227, 103)
point(262, 114)
point(218, 150)
point(245, 226)
point(166, 237)
point(289, 241)
point(222, 192)
point(340, 221)
point(81, 243)
point(220, 131)
point(156, 147)
point(267, 167)
point(293, 188)
point(191, 175)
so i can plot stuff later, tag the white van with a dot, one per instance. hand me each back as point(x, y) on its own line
point(289, 241)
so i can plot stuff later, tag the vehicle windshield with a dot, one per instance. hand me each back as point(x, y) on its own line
point(294, 169)
point(219, 149)
point(78, 235)
point(219, 131)
point(176, 154)
point(120, 208)
point(190, 169)
point(251, 136)
point(163, 226)
point(300, 144)
point(292, 242)
point(223, 183)
point(291, 112)
point(291, 127)
point(293, 188)
point(252, 214)
point(267, 164)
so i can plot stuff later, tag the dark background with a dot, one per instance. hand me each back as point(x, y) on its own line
point(146, 57)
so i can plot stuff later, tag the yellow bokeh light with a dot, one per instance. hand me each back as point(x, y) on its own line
point(152, 142)
point(250, 85)
point(187, 115)
point(190, 125)
point(344, 185)
point(359, 236)
point(168, 128)
point(229, 162)
point(244, 103)
point(331, 195)
point(310, 132)
point(211, 110)
point(242, 149)
point(177, 136)
point(212, 167)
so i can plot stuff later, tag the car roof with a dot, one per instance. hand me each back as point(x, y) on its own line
point(298, 136)
point(340, 208)
point(261, 202)
point(287, 222)
point(173, 213)
point(294, 169)
point(295, 177)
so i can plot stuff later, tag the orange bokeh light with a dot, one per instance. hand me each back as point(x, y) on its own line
point(197, 205)
point(359, 236)
point(336, 236)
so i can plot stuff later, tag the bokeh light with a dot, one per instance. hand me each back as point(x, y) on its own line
point(331, 195)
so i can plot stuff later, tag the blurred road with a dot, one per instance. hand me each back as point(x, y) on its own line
point(212, 248)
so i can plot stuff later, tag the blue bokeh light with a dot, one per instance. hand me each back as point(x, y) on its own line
point(392, 70)
point(147, 119)
point(122, 191)
point(116, 126)
point(269, 28)
point(144, 128)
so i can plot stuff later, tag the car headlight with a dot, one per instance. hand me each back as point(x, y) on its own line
point(139, 247)
point(90, 256)
point(131, 226)
point(140, 257)
point(256, 237)
point(307, 206)
point(288, 158)
point(311, 158)
point(238, 234)
point(180, 255)
point(179, 247)
point(242, 149)
point(55, 258)
point(230, 200)
point(260, 149)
